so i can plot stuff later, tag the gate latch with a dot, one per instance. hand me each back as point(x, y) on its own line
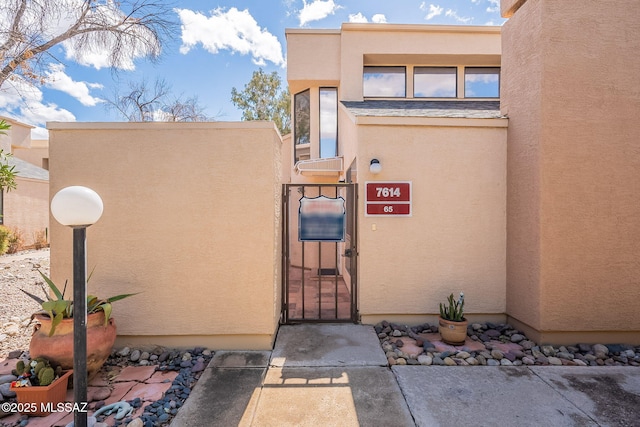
point(348, 252)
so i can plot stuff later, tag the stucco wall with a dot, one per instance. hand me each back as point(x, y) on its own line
point(191, 221)
point(36, 154)
point(388, 44)
point(578, 133)
point(521, 91)
point(27, 208)
point(455, 240)
point(313, 58)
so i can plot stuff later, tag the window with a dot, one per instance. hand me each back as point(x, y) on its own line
point(328, 122)
point(435, 82)
point(387, 82)
point(302, 112)
point(482, 82)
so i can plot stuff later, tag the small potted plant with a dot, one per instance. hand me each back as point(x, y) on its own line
point(53, 333)
point(452, 324)
point(40, 386)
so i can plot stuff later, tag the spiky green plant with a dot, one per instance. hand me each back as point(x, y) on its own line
point(58, 308)
point(455, 311)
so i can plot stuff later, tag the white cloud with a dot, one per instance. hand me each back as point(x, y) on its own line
point(358, 18)
point(434, 10)
point(58, 80)
point(378, 18)
point(232, 30)
point(23, 101)
point(495, 6)
point(316, 10)
point(453, 14)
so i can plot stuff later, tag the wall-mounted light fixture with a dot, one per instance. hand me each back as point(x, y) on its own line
point(375, 167)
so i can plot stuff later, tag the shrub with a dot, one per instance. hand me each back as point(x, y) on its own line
point(4, 239)
point(40, 239)
point(16, 241)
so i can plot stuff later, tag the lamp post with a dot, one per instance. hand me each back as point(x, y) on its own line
point(78, 207)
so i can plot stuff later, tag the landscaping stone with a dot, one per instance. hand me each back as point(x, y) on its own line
point(494, 345)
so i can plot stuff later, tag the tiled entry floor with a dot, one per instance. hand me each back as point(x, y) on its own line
point(325, 297)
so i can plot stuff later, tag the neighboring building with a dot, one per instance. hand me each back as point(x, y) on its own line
point(26, 209)
point(502, 162)
point(570, 89)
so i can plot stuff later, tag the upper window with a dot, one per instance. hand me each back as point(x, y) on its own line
point(328, 122)
point(482, 82)
point(435, 82)
point(301, 114)
point(384, 82)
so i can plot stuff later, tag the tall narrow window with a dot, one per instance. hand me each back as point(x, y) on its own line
point(301, 115)
point(328, 122)
point(435, 82)
point(384, 82)
point(482, 82)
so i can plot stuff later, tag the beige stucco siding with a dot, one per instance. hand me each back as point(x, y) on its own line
point(521, 88)
point(313, 58)
point(573, 168)
point(455, 240)
point(191, 221)
point(26, 209)
point(403, 45)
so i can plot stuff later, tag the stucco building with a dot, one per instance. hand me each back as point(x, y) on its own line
point(26, 209)
point(424, 161)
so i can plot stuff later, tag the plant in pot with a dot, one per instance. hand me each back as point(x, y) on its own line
point(40, 386)
point(452, 325)
point(53, 333)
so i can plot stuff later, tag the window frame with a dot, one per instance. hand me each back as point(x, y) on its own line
point(335, 90)
point(455, 76)
point(482, 67)
point(295, 117)
point(403, 67)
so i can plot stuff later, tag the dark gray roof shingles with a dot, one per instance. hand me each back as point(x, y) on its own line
point(406, 108)
point(27, 170)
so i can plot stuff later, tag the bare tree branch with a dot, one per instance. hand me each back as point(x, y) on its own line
point(123, 30)
point(146, 103)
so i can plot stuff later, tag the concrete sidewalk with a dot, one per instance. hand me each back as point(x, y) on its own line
point(337, 375)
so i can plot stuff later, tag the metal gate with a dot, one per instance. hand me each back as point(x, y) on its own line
point(319, 265)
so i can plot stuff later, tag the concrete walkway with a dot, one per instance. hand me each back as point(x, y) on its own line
point(337, 375)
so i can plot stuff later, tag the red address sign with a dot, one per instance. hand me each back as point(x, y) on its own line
point(388, 192)
point(388, 209)
point(388, 198)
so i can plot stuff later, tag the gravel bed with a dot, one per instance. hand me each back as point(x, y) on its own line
point(491, 344)
point(19, 271)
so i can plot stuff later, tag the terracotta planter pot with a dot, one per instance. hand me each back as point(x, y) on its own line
point(42, 400)
point(453, 333)
point(58, 349)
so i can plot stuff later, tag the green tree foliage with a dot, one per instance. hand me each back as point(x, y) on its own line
point(7, 172)
point(263, 99)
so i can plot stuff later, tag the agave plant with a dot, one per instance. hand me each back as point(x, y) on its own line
point(58, 308)
point(455, 311)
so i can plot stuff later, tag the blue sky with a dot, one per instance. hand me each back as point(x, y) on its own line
point(220, 45)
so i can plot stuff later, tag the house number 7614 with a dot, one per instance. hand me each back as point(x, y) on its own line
point(387, 191)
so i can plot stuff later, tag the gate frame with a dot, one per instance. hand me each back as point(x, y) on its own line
point(285, 253)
